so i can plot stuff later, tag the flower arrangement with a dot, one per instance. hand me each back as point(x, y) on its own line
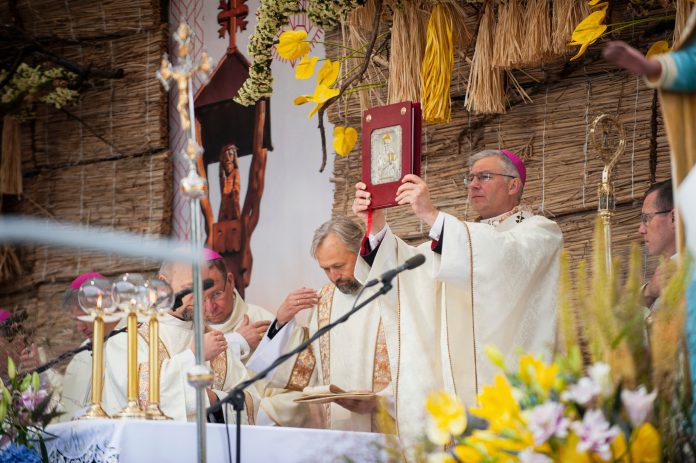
point(36, 84)
point(548, 412)
point(616, 391)
point(25, 411)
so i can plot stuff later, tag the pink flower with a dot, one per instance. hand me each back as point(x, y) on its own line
point(530, 456)
point(582, 392)
point(639, 405)
point(595, 434)
point(31, 399)
point(546, 421)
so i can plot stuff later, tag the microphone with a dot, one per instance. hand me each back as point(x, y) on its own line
point(179, 297)
point(388, 276)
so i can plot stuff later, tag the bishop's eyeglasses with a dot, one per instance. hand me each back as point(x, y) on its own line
point(646, 217)
point(484, 177)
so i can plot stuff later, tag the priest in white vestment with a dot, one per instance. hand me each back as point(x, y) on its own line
point(177, 397)
point(72, 391)
point(224, 309)
point(489, 282)
point(353, 356)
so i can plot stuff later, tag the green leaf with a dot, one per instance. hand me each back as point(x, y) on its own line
point(44, 451)
point(3, 410)
point(11, 368)
point(26, 381)
point(35, 381)
point(6, 395)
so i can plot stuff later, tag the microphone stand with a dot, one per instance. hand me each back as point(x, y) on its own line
point(236, 396)
point(66, 355)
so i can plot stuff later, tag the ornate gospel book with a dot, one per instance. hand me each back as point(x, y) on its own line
point(391, 148)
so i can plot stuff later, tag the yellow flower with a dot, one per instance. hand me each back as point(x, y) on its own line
point(534, 371)
point(292, 44)
point(344, 139)
point(645, 446)
point(589, 30)
point(321, 95)
point(468, 454)
point(328, 73)
point(447, 417)
point(568, 452)
point(305, 69)
point(498, 406)
point(495, 356)
point(657, 48)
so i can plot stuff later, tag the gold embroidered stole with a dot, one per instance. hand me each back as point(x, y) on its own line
point(218, 364)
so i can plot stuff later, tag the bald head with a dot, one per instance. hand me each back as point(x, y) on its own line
point(179, 275)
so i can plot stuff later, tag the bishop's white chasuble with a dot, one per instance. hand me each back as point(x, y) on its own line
point(494, 283)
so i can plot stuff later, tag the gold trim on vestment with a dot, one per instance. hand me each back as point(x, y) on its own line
point(473, 318)
point(249, 402)
point(398, 343)
point(144, 367)
point(323, 319)
point(303, 368)
point(219, 366)
point(381, 379)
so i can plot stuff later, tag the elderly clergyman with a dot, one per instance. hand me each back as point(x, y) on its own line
point(489, 282)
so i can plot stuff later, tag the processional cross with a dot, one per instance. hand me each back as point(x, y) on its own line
point(194, 187)
point(232, 18)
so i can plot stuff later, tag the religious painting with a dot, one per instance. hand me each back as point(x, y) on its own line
point(385, 165)
point(228, 131)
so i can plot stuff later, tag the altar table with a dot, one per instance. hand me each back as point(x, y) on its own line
point(134, 441)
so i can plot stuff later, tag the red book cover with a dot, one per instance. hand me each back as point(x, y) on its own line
point(391, 148)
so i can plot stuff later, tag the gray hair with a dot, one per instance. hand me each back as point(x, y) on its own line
point(348, 231)
point(509, 167)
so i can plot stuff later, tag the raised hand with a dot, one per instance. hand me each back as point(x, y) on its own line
point(414, 191)
point(626, 57)
point(253, 332)
point(297, 300)
point(214, 344)
point(361, 206)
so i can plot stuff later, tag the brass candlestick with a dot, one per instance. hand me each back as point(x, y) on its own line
point(99, 290)
point(131, 294)
point(132, 409)
point(95, 409)
point(609, 140)
point(153, 411)
point(161, 300)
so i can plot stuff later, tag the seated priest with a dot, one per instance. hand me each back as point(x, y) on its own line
point(488, 282)
point(73, 390)
point(353, 356)
point(224, 309)
point(176, 347)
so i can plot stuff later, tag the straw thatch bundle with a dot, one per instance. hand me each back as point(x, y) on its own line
point(509, 35)
point(407, 47)
point(486, 90)
point(538, 44)
point(567, 14)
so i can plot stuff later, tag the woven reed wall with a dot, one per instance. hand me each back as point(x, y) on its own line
point(112, 169)
point(551, 132)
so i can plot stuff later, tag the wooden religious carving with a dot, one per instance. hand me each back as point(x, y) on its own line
point(229, 131)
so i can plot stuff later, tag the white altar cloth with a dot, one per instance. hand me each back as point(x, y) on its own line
point(133, 441)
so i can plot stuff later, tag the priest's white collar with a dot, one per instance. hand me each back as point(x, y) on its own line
point(519, 212)
point(171, 320)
